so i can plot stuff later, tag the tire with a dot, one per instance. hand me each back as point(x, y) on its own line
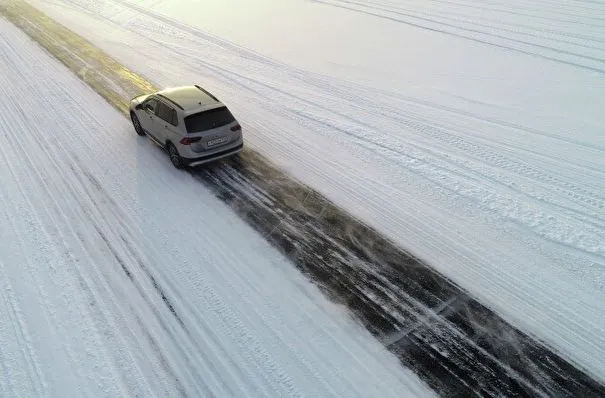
point(137, 124)
point(175, 158)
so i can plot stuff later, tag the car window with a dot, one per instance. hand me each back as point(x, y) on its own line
point(150, 104)
point(208, 120)
point(166, 113)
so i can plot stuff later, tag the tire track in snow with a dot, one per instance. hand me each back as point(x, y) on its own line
point(121, 221)
point(576, 63)
point(377, 277)
point(92, 211)
point(473, 27)
point(578, 214)
point(35, 174)
point(33, 222)
point(19, 330)
point(498, 23)
point(48, 308)
point(518, 11)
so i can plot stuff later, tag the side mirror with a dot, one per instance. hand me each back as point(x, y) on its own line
point(138, 107)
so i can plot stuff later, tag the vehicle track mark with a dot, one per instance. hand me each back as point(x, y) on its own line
point(419, 25)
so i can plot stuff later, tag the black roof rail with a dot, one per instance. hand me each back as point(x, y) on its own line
point(168, 99)
point(207, 93)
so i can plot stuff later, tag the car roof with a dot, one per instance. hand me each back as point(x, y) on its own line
point(190, 98)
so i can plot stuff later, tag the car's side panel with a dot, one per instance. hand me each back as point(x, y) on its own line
point(147, 116)
point(171, 133)
point(166, 123)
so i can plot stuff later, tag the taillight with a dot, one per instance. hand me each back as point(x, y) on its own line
point(189, 140)
point(237, 127)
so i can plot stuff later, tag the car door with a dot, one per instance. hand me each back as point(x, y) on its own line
point(148, 118)
point(166, 122)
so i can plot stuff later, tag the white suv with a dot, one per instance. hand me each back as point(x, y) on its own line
point(189, 122)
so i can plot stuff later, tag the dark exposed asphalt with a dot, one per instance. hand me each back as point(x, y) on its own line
point(458, 346)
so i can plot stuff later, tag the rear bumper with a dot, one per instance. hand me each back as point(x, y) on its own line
point(192, 162)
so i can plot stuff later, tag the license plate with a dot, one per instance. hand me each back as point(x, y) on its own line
point(217, 141)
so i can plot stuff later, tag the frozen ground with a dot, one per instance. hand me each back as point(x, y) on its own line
point(472, 134)
point(456, 345)
point(120, 276)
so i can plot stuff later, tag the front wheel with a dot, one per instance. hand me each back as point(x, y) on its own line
point(137, 124)
point(175, 158)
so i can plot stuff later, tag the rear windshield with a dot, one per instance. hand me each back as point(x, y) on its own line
point(208, 120)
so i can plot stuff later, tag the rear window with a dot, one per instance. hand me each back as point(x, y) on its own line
point(208, 120)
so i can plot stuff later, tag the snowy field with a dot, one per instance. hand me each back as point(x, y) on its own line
point(472, 133)
point(120, 276)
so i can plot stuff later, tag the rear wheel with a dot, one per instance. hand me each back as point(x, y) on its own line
point(137, 124)
point(175, 158)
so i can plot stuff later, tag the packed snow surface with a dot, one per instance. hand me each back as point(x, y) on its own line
point(121, 276)
point(472, 133)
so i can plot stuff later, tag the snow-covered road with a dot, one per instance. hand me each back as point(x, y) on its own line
point(120, 276)
point(472, 135)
